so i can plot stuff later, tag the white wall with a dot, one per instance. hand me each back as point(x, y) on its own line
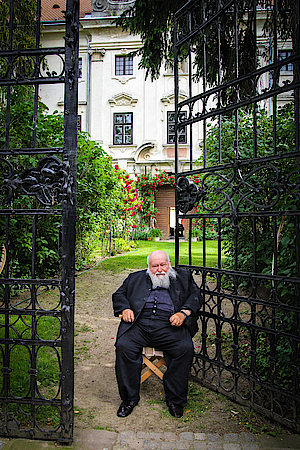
point(148, 101)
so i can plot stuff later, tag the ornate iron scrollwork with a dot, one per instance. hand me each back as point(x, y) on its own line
point(67, 295)
point(10, 181)
point(234, 187)
point(188, 194)
point(50, 181)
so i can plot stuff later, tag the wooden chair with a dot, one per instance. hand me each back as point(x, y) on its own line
point(2, 258)
point(153, 359)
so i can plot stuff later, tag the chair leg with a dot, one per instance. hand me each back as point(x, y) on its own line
point(152, 368)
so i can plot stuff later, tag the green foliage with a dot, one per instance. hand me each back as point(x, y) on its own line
point(264, 188)
point(154, 22)
point(261, 197)
point(24, 26)
point(138, 259)
point(97, 196)
point(142, 235)
point(121, 246)
point(100, 191)
point(47, 362)
point(155, 232)
point(211, 229)
point(147, 186)
point(127, 206)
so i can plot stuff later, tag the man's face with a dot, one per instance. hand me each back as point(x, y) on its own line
point(158, 264)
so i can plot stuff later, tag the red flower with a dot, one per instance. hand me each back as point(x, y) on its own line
point(134, 226)
point(116, 167)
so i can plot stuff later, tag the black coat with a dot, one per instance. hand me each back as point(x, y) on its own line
point(135, 290)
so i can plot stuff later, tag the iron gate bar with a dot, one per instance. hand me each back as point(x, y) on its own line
point(26, 212)
point(277, 157)
point(37, 81)
point(16, 411)
point(32, 151)
point(33, 52)
point(269, 318)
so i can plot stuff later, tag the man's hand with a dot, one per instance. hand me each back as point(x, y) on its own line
point(177, 319)
point(128, 315)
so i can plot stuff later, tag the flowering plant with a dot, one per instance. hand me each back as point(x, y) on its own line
point(129, 202)
point(147, 186)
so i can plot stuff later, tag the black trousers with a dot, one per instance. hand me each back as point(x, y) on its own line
point(154, 330)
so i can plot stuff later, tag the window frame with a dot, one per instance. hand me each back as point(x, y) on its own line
point(123, 65)
point(123, 125)
point(171, 123)
point(79, 122)
point(283, 54)
point(80, 67)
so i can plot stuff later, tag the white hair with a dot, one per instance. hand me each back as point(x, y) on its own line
point(168, 258)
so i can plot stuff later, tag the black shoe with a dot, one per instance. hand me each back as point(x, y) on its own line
point(176, 410)
point(126, 408)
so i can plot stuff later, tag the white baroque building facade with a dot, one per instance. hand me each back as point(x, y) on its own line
point(130, 117)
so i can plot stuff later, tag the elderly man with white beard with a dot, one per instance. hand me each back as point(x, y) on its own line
point(159, 309)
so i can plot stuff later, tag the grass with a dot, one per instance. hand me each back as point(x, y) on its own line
point(47, 365)
point(82, 329)
point(199, 403)
point(48, 328)
point(136, 259)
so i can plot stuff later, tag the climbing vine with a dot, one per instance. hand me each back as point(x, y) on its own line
point(147, 186)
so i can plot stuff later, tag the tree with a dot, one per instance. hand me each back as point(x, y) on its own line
point(23, 35)
point(24, 24)
point(154, 22)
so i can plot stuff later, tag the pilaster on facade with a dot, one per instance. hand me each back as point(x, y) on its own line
point(96, 54)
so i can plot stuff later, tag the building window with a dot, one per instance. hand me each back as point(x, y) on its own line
point(124, 65)
point(79, 67)
point(123, 124)
point(182, 135)
point(283, 54)
point(79, 123)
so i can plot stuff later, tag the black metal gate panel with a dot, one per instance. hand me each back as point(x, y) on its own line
point(37, 188)
point(244, 193)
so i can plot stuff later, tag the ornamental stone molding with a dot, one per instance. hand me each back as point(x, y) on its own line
point(170, 98)
point(97, 54)
point(145, 152)
point(123, 79)
point(122, 99)
point(110, 7)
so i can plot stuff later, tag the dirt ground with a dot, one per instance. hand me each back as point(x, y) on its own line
point(96, 393)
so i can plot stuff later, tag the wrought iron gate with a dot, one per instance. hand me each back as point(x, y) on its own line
point(37, 186)
point(245, 192)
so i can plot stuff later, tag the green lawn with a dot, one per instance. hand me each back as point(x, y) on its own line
point(137, 258)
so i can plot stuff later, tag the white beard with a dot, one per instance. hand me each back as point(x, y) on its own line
point(162, 281)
